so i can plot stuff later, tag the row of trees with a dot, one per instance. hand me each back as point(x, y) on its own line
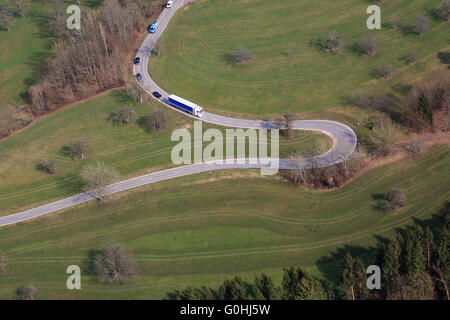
point(153, 121)
point(423, 106)
point(91, 59)
point(297, 284)
point(333, 41)
point(318, 176)
point(414, 265)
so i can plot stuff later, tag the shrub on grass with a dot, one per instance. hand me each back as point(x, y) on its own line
point(27, 292)
point(368, 45)
point(97, 177)
point(416, 148)
point(155, 121)
point(421, 24)
point(385, 71)
point(49, 166)
point(114, 263)
point(383, 135)
point(395, 22)
point(241, 55)
point(2, 261)
point(127, 115)
point(443, 11)
point(409, 58)
point(360, 99)
point(79, 148)
point(332, 41)
point(394, 199)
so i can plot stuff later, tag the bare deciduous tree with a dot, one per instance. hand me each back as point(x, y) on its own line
point(368, 45)
point(418, 286)
point(416, 148)
point(27, 292)
point(135, 91)
point(421, 24)
point(126, 115)
point(289, 117)
point(91, 59)
point(410, 58)
point(308, 172)
point(49, 166)
point(394, 199)
point(154, 121)
point(114, 263)
point(79, 148)
point(444, 10)
point(58, 19)
point(8, 118)
point(22, 7)
point(38, 101)
point(297, 175)
point(3, 264)
point(98, 177)
point(385, 71)
point(440, 274)
point(383, 135)
point(332, 41)
point(241, 55)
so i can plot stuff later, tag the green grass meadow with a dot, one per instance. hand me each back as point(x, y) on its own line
point(130, 150)
point(288, 70)
point(200, 230)
point(25, 50)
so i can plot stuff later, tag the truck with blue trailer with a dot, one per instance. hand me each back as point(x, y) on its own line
point(186, 106)
point(152, 28)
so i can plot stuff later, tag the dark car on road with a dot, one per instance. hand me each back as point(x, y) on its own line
point(139, 77)
point(156, 94)
point(137, 60)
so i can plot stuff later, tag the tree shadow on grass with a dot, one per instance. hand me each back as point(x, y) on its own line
point(401, 88)
point(330, 265)
point(444, 57)
point(121, 96)
point(71, 183)
point(66, 152)
point(88, 264)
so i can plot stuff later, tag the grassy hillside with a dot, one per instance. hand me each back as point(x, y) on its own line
point(129, 149)
point(288, 70)
point(200, 230)
point(24, 49)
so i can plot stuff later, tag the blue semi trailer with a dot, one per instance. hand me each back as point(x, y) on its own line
point(186, 105)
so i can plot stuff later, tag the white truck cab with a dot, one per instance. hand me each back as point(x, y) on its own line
point(169, 4)
point(199, 112)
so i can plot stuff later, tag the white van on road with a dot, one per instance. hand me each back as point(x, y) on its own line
point(169, 4)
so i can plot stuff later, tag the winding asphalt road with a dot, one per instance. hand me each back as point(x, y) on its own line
point(344, 140)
